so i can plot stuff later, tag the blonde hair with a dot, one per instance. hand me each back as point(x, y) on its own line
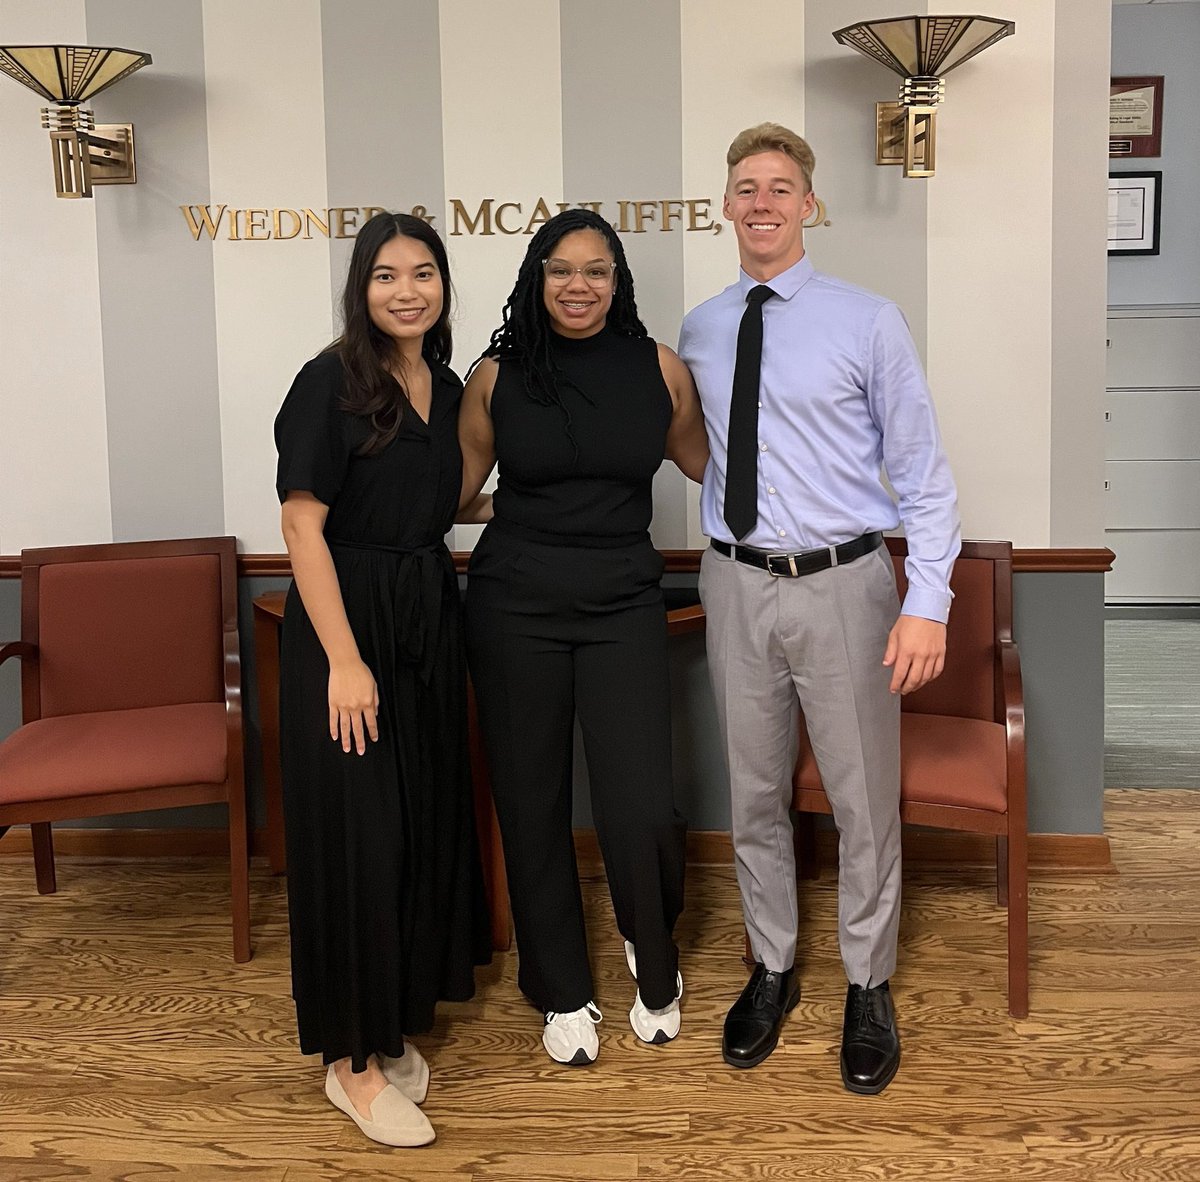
point(772, 137)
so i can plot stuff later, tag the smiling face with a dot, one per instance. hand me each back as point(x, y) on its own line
point(404, 292)
point(578, 308)
point(768, 201)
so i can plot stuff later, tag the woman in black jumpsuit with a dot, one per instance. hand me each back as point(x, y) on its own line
point(384, 890)
point(565, 615)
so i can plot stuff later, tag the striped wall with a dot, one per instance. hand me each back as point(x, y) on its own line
point(140, 370)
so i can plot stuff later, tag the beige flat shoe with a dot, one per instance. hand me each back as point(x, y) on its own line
point(395, 1119)
point(409, 1074)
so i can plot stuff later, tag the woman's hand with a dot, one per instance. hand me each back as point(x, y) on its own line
point(353, 706)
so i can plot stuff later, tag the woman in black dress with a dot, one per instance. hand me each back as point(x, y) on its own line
point(384, 890)
point(565, 615)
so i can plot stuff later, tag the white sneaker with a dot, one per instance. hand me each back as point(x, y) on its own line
point(653, 1026)
point(571, 1038)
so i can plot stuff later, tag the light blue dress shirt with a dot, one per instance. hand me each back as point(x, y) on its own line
point(842, 396)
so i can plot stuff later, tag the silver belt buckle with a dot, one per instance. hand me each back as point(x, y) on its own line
point(791, 561)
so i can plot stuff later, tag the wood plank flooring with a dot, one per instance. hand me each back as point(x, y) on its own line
point(131, 1046)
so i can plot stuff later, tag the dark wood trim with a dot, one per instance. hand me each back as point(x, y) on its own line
point(1061, 561)
point(265, 566)
point(1068, 561)
point(1049, 853)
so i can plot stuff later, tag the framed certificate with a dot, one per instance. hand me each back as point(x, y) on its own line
point(1134, 207)
point(1135, 116)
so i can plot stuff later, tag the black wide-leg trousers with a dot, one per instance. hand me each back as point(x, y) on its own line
point(553, 631)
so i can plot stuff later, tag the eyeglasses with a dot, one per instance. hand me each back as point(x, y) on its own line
point(559, 273)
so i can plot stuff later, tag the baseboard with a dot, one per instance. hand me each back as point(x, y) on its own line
point(131, 843)
point(1085, 853)
point(1082, 853)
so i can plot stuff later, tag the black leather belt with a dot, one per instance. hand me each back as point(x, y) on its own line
point(792, 566)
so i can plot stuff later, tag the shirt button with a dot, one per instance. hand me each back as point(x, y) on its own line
point(771, 490)
point(763, 446)
point(783, 533)
point(760, 406)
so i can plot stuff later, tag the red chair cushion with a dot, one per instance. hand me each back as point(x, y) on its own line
point(943, 760)
point(114, 751)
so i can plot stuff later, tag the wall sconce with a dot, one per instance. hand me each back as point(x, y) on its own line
point(920, 49)
point(68, 75)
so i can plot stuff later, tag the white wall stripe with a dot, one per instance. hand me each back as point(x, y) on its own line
point(266, 135)
point(54, 477)
point(989, 248)
point(502, 139)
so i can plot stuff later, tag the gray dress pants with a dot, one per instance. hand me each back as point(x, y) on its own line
point(816, 643)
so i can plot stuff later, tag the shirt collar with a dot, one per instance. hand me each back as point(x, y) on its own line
point(785, 284)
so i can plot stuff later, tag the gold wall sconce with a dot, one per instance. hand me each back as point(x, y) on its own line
point(921, 49)
point(68, 75)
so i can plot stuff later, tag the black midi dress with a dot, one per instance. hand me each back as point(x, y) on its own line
point(384, 887)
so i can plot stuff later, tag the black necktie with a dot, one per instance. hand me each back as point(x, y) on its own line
point(741, 465)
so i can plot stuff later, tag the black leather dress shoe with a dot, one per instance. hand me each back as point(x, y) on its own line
point(870, 1041)
point(752, 1025)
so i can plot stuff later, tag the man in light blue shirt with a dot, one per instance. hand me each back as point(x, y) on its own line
point(810, 387)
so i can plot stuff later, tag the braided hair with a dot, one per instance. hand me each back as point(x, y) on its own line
point(525, 334)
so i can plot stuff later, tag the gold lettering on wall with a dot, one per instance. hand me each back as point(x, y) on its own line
point(487, 217)
point(277, 223)
point(256, 225)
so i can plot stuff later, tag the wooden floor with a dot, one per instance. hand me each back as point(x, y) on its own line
point(132, 1047)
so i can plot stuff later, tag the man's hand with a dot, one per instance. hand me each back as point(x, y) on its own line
point(916, 652)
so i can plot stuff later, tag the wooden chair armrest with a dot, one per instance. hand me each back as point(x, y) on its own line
point(1010, 705)
point(233, 675)
point(18, 648)
point(682, 620)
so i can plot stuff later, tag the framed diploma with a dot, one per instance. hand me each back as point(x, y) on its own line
point(1135, 116)
point(1134, 206)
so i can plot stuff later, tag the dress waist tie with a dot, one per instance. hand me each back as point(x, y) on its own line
point(419, 595)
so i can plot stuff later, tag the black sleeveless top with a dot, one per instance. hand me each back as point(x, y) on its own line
point(619, 416)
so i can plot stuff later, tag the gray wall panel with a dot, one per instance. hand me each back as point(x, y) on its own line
point(156, 284)
point(622, 143)
point(1164, 39)
point(10, 671)
point(1059, 629)
point(383, 118)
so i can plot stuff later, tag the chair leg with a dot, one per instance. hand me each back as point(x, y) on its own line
point(43, 858)
point(804, 842)
point(1002, 871)
point(1018, 925)
point(239, 872)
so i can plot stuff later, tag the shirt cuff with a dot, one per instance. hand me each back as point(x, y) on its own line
point(929, 605)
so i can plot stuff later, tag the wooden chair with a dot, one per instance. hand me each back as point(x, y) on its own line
point(131, 694)
point(962, 743)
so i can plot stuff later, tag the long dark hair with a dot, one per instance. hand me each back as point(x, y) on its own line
point(367, 353)
point(525, 335)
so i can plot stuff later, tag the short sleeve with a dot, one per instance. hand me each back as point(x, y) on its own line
point(310, 435)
